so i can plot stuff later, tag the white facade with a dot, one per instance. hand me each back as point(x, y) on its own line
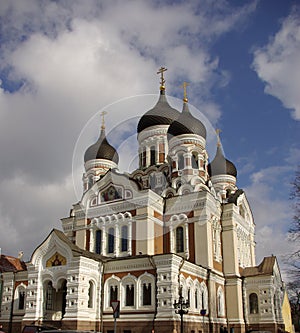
point(140, 238)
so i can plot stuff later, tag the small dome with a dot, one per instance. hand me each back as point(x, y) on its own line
point(101, 149)
point(186, 123)
point(161, 114)
point(221, 166)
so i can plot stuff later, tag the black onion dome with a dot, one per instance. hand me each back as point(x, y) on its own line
point(161, 114)
point(221, 166)
point(186, 123)
point(101, 149)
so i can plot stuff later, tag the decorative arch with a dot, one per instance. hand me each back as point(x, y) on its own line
point(129, 284)
point(220, 302)
point(179, 235)
point(111, 290)
point(204, 296)
point(253, 303)
point(146, 290)
point(20, 297)
point(91, 294)
point(54, 299)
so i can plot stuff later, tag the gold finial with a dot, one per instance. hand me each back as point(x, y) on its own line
point(184, 85)
point(103, 113)
point(218, 131)
point(162, 80)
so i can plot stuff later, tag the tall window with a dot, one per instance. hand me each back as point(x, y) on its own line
point(147, 294)
point(253, 301)
point(49, 296)
point(179, 239)
point(63, 291)
point(124, 238)
point(180, 161)
point(152, 155)
point(144, 157)
point(195, 164)
point(98, 241)
point(196, 299)
point(21, 304)
point(113, 294)
point(129, 300)
point(111, 240)
point(91, 295)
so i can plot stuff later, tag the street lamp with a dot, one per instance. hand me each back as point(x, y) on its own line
point(181, 307)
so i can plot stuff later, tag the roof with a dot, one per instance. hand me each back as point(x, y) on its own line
point(266, 267)
point(77, 251)
point(161, 114)
point(221, 166)
point(11, 264)
point(186, 123)
point(101, 149)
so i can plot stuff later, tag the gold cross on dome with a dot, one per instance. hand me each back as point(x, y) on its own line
point(184, 85)
point(103, 113)
point(162, 80)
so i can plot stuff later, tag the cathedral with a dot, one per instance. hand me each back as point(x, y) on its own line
point(169, 246)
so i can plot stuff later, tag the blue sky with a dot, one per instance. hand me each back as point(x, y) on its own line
point(62, 62)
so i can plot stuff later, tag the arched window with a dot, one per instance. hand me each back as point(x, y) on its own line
point(49, 296)
point(189, 296)
point(204, 297)
point(21, 305)
point(91, 295)
point(111, 240)
point(253, 301)
point(124, 238)
point(113, 294)
point(146, 294)
point(63, 292)
point(98, 241)
point(195, 162)
point(152, 155)
point(220, 300)
point(90, 182)
point(129, 298)
point(179, 240)
point(180, 161)
point(196, 299)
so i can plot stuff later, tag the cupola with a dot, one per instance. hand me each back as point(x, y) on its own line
point(222, 173)
point(186, 123)
point(220, 165)
point(162, 113)
point(99, 158)
point(152, 129)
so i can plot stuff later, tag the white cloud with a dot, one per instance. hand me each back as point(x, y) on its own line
point(278, 64)
point(72, 59)
point(272, 212)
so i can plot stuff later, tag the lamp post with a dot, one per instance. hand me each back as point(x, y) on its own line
point(181, 307)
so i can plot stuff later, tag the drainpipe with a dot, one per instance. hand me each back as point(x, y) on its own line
point(209, 298)
point(156, 294)
point(102, 297)
point(244, 303)
point(12, 304)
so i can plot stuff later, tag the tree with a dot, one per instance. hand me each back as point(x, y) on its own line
point(294, 232)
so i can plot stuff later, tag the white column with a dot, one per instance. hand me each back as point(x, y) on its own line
point(92, 240)
point(172, 249)
point(104, 241)
point(157, 152)
point(117, 241)
point(186, 227)
point(129, 250)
